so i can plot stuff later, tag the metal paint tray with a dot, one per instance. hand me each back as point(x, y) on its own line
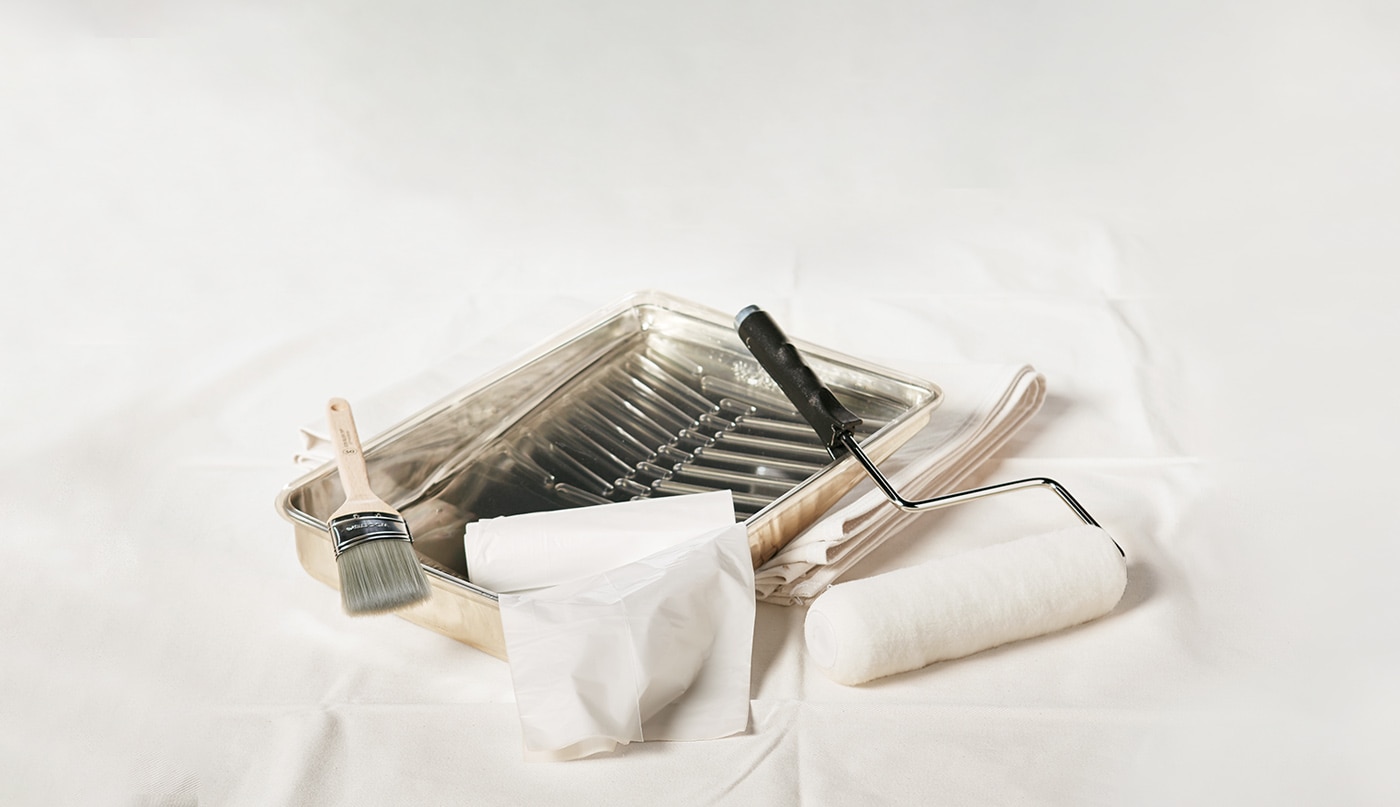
point(655, 396)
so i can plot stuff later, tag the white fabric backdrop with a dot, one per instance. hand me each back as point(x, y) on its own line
point(215, 216)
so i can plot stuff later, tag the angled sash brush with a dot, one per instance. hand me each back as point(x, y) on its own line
point(379, 570)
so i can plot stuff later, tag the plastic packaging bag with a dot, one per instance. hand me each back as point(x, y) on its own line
point(657, 649)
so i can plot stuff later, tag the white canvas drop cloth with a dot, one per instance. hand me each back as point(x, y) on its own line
point(214, 216)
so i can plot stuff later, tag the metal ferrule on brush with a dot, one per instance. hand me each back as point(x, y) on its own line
point(348, 532)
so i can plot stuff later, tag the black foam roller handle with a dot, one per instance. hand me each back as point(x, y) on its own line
point(766, 341)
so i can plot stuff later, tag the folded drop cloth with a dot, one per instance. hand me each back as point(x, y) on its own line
point(983, 406)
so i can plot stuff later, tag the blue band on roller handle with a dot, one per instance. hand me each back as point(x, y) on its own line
point(350, 531)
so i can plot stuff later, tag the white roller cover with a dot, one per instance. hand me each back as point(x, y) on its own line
point(953, 607)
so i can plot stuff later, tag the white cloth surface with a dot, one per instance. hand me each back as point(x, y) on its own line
point(982, 408)
point(535, 550)
point(215, 216)
point(655, 649)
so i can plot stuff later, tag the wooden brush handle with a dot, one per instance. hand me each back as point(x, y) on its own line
point(348, 454)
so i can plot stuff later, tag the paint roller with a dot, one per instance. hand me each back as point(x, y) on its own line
point(947, 608)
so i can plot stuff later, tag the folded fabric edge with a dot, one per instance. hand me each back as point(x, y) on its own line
point(583, 748)
point(988, 415)
point(869, 521)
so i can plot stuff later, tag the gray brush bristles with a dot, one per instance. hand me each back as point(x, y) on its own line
point(378, 576)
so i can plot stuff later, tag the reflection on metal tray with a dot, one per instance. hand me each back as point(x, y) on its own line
point(654, 397)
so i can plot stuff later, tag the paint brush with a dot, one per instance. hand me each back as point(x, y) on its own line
point(379, 570)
